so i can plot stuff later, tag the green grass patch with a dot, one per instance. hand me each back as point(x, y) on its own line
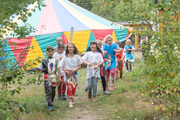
point(125, 102)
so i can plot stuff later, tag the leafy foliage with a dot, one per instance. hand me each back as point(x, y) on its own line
point(86, 4)
point(162, 59)
point(122, 10)
point(11, 75)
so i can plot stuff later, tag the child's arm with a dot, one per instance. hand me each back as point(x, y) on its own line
point(88, 64)
point(99, 64)
point(133, 49)
point(59, 73)
point(123, 57)
point(105, 52)
point(61, 57)
point(67, 72)
point(73, 71)
point(116, 50)
point(39, 77)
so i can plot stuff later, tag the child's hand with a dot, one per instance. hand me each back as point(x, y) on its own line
point(68, 73)
point(60, 79)
point(89, 64)
point(39, 83)
point(109, 56)
point(72, 72)
point(115, 50)
point(105, 52)
point(60, 57)
point(95, 67)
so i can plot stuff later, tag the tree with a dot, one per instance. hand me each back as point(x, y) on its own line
point(162, 61)
point(86, 4)
point(14, 74)
point(105, 9)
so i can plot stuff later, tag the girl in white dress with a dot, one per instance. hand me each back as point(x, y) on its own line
point(93, 59)
point(71, 62)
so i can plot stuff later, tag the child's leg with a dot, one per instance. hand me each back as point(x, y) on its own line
point(53, 93)
point(63, 88)
point(90, 84)
point(94, 79)
point(70, 102)
point(121, 72)
point(103, 83)
point(112, 71)
point(126, 64)
point(86, 88)
point(107, 78)
point(48, 93)
point(70, 99)
point(116, 73)
point(59, 89)
point(130, 66)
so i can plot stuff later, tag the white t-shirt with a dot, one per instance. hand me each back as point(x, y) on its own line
point(57, 56)
point(93, 58)
point(71, 63)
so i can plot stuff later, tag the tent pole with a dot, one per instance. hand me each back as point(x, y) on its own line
point(136, 39)
point(71, 35)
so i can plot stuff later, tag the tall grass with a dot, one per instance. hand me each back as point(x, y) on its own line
point(125, 102)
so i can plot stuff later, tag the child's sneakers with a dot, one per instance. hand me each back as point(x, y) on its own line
point(51, 108)
point(94, 99)
point(127, 71)
point(59, 97)
point(63, 97)
point(111, 88)
point(106, 93)
point(86, 89)
point(120, 76)
point(89, 95)
point(70, 104)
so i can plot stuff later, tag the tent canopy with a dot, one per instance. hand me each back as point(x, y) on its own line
point(55, 20)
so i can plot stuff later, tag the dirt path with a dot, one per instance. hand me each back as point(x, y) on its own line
point(83, 110)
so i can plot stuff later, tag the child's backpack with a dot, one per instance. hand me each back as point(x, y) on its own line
point(45, 65)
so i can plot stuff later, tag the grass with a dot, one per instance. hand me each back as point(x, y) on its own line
point(125, 103)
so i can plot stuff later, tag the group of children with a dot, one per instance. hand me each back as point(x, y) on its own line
point(103, 59)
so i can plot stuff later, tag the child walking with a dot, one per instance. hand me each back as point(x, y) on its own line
point(119, 59)
point(111, 49)
point(129, 58)
point(102, 68)
point(71, 62)
point(49, 67)
point(93, 59)
point(62, 86)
